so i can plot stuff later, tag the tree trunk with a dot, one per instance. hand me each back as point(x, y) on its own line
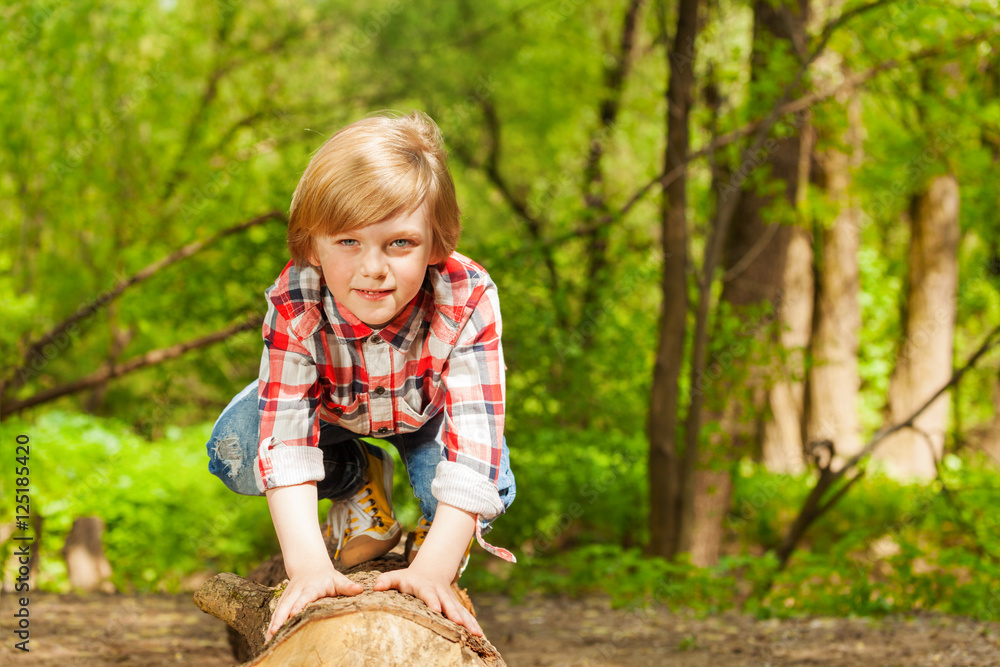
point(86, 565)
point(925, 358)
point(372, 628)
point(991, 440)
point(755, 258)
point(664, 469)
point(782, 446)
point(831, 410)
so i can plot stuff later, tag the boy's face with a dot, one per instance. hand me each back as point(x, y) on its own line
point(375, 271)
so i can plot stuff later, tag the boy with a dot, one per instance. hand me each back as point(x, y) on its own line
point(375, 328)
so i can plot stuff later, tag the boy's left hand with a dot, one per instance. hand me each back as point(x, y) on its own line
point(434, 589)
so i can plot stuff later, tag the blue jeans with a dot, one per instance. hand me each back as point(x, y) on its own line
point(232, 451)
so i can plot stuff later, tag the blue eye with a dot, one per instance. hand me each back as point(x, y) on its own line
point(347, 242)
point(405, 243)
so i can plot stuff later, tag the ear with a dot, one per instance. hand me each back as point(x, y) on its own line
point(311, 256)
point(437, 257)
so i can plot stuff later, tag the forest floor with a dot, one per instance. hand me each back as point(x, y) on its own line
point(154, 630)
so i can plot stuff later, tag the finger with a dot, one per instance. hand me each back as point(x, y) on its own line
point(432, 600)
point(299, 605)
point(344, 586)
point(385, 581)
point(457, 612)
point(295, 604)
point(473, 624)
point(468, 620)
point(350, 589)
point(453, 611)
point(280, 614)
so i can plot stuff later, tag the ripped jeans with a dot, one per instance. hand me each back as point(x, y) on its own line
point(232, 451)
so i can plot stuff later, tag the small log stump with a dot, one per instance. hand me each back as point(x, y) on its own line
point(87, 566)
point(384, 627)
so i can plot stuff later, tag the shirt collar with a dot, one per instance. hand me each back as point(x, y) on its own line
point(399, 333)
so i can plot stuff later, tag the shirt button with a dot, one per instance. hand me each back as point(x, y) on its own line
point(375, 339)
point(338, 411)
point(384, 429)
point(380, 390)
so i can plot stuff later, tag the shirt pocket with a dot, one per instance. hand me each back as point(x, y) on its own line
point(352, 415)
point(419, 407)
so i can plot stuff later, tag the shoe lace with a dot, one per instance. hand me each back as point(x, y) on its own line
point(343, 514)
point(339, 522)
point(369, 506)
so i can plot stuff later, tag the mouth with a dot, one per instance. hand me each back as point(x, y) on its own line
point(373, 294)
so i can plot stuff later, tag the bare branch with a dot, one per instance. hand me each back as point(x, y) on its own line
point(969, 528)
point(594, 193)
point(17, 377)
point(492, 170)
point(109, 371)
point(535, 223)
point(614, 82)
point(746, 260)
point(211, 89)
point(811, 508)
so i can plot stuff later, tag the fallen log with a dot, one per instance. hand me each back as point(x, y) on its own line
point(383, 627)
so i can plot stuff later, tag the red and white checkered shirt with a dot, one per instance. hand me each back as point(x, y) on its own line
point(442, 352)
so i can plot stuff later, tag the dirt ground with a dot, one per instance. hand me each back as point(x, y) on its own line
point(154, 630)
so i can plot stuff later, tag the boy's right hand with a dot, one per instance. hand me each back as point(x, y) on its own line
point(310, 572)
point(309, 585)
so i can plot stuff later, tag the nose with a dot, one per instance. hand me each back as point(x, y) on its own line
point(373, 264)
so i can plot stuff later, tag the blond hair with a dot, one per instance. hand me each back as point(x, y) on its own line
point(376, 168)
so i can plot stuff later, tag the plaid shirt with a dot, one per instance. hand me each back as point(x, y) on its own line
point(442, 352)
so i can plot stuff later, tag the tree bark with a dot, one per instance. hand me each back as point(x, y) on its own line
point(385, 627)
point(925, 358)
point(782, 446)
point(755, 259)
point(664, 472)
point(833, 383)
point(991, 440)
point(87, 566)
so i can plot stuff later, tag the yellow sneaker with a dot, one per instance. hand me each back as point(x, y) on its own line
point(416, 538)
point(364, 523)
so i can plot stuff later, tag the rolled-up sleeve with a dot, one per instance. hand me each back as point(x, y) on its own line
point(288, 391)
point(474, 410)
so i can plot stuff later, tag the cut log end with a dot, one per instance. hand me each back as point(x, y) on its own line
point(383, 627)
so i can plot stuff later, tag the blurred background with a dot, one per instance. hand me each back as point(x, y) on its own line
point(734, 242)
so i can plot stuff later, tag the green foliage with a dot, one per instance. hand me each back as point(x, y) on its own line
point(120, 152)
point(575, 487)
point(885, 548)
point(166, 517)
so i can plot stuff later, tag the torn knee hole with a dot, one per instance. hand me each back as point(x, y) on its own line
point(227, 450)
